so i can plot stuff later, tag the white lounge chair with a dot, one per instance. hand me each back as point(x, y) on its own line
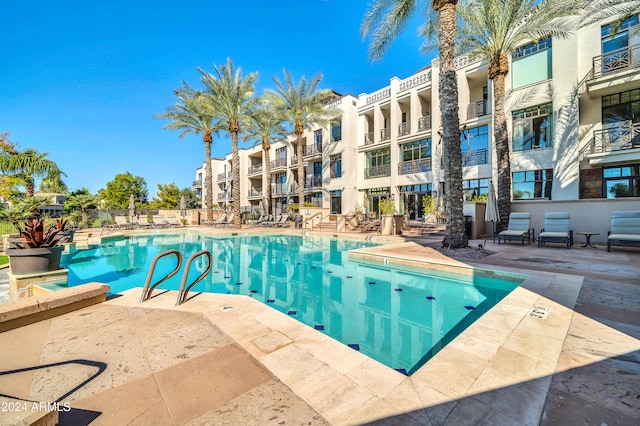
point(159, 221)
point(143, 222)
point(173, 221)
point(121, 222)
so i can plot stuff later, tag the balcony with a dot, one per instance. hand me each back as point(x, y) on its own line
point(617, 143)
point(280, 189)
point(385, 134)
point(424, 123)
point(377, 171)
point(254, 169)
point(294, 161)
point(415, 166)
point(221, 176)
point(627, 58)
point(312, 182)
point(368, 138)
point(279, 163)
point(312, 150)
point(475, 157)
point(197, 184)
point(224, 196)
point(477, 109)
point(254, 193)
point(404, 129)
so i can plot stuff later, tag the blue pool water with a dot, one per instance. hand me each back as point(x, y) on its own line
point(398, 316)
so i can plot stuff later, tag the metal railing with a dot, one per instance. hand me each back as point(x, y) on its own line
point(368, 138)
point(415, 166)
point(377, 171)
point(313, 182)
point(255, 168)
point(385, 134)
point(279, 162)
point(617, 137)
point(183, 292)
point(477, 109)
point(294, 161)
point(197, 183)
point(616, 60)
point(313, 149)
point(254, 193)
point(404, 129)
point(424, 123)
point(148, 287)
point(475, 157)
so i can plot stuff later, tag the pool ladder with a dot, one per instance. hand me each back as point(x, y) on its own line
point(184, 289)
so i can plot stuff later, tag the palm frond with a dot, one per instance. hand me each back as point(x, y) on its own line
point(384, 20)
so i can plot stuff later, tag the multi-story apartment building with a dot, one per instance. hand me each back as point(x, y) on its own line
point(573, 111)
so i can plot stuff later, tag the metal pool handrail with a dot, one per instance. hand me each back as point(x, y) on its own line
point(147, 289)
point(182, 293)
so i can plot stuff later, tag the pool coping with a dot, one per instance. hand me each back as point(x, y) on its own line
point(500, 366)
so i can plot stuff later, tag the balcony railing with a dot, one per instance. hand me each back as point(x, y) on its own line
point(477, 109)
point(279, 162)
point(313, 182)
point(368, 138)
point(254, 169)
point(415, 80)
point(197, 183)
point(616, 60)
point(474, 158)
point(616, 137)
point(280, 189)
point(221, 176)
point(415, 166)
point(222, 196)
point(404, 129)
point(294, 161)
point(379, 95)
point(254, 193)
point(424, 123)
point(377, 171)
point(313, 149)
point(385, 134)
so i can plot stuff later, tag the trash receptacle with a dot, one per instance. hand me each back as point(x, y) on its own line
point(467, 226)
point(298, 221)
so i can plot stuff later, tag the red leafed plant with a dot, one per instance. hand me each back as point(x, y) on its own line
point(34, 236)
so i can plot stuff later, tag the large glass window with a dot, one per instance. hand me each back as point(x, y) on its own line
point(533, 128)
point(474, 188)
point(623, 181)
point(532, 184)
point(317, 137)
point(336, 130)
point(281, 152)
point(623, 106)
point(336, 202)
point(474, 143)
point(531, 63)
point(280, 183)
point(416, 150)
point(378, 163)
point(335, 165)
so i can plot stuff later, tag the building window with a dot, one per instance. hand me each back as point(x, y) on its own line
point(281, 152)
point(335, 165)
point(623, 181)
point(378, 163)
point(416, 150)
point(531, 64)
point(475, 188)
point(533, 128)
point(474, 143)
point(336, 130)
point(316, 199)
point(532, 184)
point(623, 106)
point(317, 137)
point(336, 202)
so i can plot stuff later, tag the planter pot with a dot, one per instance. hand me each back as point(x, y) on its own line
point(386, 226)
point(35, 260)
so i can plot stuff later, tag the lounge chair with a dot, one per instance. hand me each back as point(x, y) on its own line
point(283, 222)
point(121, 222)
point(173, 221)
point(159, 221)
point(258, 221)
point(143, 222)
point(557, 229)
point(625, 229)
point(268, 221)
point(229, 220)
point(221, 220)
point(519, 228)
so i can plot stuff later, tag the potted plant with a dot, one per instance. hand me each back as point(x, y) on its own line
point(387, 208)
point(37, 250)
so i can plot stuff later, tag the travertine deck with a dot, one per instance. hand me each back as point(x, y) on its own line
point(224, 359)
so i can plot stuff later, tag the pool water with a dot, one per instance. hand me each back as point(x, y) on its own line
point(398, 316)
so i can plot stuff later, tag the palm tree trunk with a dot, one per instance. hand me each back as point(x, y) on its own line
point(30, 188)
point(266, 147)
point(499, 67)
point(301, 173)
point(448, 90)
point(208, 182)
point(235, 166)
point(85, 218)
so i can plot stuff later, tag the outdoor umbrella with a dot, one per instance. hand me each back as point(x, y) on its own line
point(183, 206)
point(491, 214)
point(132, 207)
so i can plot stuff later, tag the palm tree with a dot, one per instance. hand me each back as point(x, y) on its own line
point(230, 97)
point(84, 202)
point(389, 18)
point(192, 114)
point(302, 106)
point(29, 165)
point(491, 29)
point(266, 124)
point(597, 10)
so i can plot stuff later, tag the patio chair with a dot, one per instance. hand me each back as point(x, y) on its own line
point(625, 229)
point(218, 221)
point(159, 221)
point(258, 221)
point(283, 222)
point(172, 220)
point(268, 221)
point(143, 222)
point(557, 229)
point(121, 222)
point(519, 228)
point(229, 220)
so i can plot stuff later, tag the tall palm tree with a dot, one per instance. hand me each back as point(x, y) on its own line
point(492, 29)
point(302, 106)
point(193, 115)
point(230, 96)
point(389, 18)
point(29, 165)
point(84, 202)
point(266, 124)
point(597, 10)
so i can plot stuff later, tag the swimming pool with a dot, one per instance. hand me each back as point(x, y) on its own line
point(398, 316)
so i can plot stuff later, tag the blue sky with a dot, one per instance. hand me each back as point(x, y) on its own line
point(82, 80)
